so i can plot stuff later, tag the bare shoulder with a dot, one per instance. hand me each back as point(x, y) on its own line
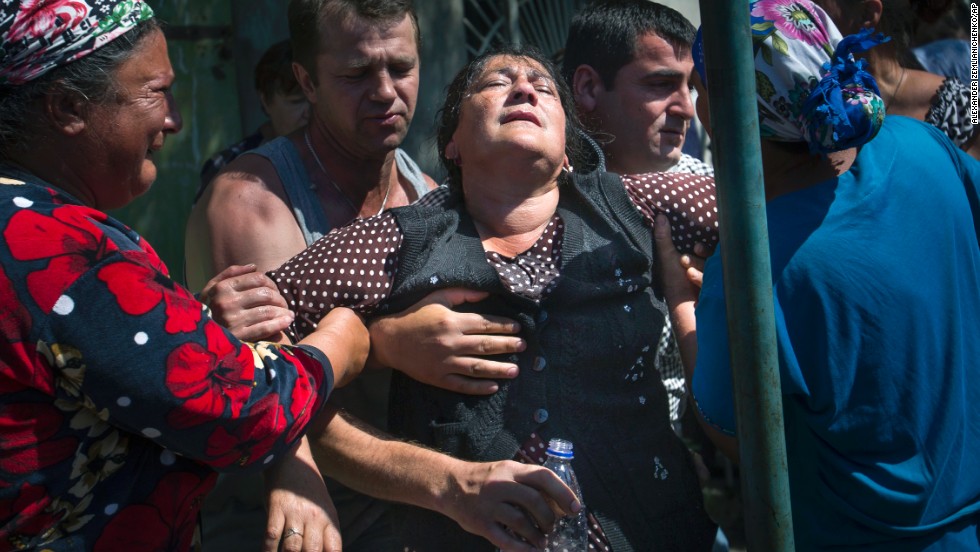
point(243, 217)
point(249, 183)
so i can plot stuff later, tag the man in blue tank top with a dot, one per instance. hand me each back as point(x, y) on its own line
point(358, 65)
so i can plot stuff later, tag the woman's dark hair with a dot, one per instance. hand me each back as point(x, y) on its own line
point(461, 87)
point(274, 72)
point(929, 11)
point(91, 77)
point(900, 20)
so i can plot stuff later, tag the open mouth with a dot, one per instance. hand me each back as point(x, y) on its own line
point(521, 116)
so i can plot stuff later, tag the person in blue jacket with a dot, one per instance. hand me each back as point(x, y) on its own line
point(873, 229)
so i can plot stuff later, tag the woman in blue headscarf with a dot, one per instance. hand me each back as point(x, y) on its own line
point(873, 232)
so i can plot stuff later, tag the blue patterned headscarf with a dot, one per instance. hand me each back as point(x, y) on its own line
point(39, 35)
point(809, 86)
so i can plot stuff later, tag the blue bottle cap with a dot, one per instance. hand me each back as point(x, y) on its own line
point(560, 448)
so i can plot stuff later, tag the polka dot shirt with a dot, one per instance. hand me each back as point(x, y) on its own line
point(354, 266)
point(687, 200)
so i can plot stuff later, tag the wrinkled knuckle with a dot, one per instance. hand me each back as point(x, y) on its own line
point(442, 343)
point(222, 316)
point(444, 325)
point(220, 302)
point(486, 345)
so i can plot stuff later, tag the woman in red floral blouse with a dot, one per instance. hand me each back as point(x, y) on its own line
point(119, 396)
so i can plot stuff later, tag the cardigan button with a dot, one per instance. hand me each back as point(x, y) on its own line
point(539, 364)
point(542, 317)
point(540, 415)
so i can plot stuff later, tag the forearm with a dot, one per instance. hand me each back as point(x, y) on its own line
point(503, 501)
point(297, 500)
point(682, 316)
point(366, 460)
point(297, 459)
point(682, 295)
point(683, 321)
point(343, 338)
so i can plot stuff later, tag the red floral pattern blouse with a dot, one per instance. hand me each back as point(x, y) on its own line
point(119, 396)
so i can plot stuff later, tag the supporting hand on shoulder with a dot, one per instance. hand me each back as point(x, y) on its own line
point(248, 303)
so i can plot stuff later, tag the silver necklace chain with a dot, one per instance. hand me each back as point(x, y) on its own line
point(357, 212)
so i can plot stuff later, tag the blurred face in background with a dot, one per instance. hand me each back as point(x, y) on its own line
point(286, 112)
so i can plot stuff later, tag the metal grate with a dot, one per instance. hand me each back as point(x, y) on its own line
point(541, 23)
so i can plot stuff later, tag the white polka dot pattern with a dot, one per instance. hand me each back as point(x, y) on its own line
point(354, 266)
point(688, 200)
point(532, 273)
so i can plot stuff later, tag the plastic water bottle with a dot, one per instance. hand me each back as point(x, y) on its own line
point(571, 533)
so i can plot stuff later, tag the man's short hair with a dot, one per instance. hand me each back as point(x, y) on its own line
point(604, 34)
point(305, 18)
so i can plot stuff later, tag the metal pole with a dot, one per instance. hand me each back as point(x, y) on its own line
point(747, 273)
point(514, 21)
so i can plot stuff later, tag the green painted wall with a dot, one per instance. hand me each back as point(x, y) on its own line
point(199, 39)
point(214, 46)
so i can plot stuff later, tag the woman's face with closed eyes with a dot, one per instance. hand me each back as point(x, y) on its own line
point(512, 106)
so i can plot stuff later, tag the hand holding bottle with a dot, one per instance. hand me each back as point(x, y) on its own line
point(571, 533)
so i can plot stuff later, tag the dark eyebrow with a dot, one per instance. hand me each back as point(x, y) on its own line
point(535, 75)
point(664, 73)
point(532, 74)
point(368, 62)
point(503, 71)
